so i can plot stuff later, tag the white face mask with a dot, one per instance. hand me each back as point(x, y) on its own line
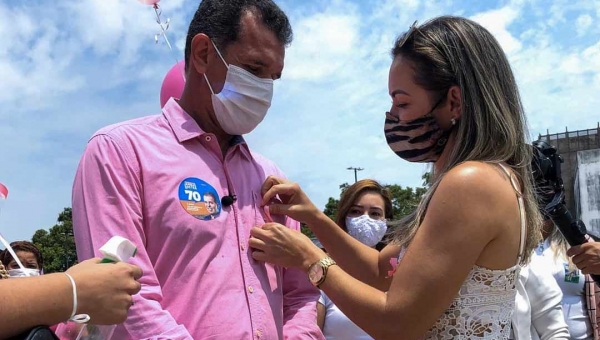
point(244, 100)
point(23, 272)
point(366, 230)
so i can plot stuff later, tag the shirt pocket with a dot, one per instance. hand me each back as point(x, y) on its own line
point(267, 273)
point(262, 214)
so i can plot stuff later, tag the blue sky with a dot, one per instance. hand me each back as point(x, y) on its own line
point(73, 67)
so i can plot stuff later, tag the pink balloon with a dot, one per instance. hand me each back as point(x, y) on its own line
point(149, 2)
point(173, 83)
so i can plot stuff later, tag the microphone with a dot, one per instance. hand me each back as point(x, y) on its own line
point(228, 200)
point(572, 229)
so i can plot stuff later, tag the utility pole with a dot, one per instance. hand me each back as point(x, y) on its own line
point(355, 172)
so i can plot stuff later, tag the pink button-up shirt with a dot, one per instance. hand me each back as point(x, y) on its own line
point(158, 181)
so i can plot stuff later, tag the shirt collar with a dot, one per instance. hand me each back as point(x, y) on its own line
point(185, 127)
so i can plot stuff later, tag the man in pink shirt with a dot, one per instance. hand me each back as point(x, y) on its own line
point(185, 188)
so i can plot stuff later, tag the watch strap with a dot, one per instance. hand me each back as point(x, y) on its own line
point(325, 263)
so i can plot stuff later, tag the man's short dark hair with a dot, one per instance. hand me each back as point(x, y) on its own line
point(220, 21)
point(208, 193)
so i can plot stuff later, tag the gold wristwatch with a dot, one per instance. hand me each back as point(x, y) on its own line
point(317, 272)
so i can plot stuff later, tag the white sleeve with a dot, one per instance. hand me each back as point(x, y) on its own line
point(323, 299)
point(545, 298)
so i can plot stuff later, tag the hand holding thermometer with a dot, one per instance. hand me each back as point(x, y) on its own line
point(117, 249)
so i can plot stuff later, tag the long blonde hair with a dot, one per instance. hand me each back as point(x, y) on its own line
point(452, 51)
point(559, 246)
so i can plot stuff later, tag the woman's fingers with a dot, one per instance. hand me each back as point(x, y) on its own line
point(281, 190)
point(256, 243)
point(280, 209)
point(270, 182)
point(260, 256)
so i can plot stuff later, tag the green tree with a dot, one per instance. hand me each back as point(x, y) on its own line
point(331, 208)
point(306, 230)
point(57, 245)
point(332, 204)
point(426, 180)
point(404, 200)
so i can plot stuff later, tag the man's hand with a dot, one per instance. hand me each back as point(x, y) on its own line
point(586, 257)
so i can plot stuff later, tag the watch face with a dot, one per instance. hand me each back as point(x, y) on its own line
point(315, 273)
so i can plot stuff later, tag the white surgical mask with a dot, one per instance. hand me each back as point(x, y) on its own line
point(366, 230)
point(23, 272)
point(244, 100)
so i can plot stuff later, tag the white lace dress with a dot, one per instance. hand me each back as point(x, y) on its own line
point(484, 305)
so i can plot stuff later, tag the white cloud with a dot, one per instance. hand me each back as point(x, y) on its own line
point(582, 23)
point(591, 57)
point(497, 22)
point(49, 57)
point(322, 43)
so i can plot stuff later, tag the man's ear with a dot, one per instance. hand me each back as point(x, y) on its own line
point(200, 51)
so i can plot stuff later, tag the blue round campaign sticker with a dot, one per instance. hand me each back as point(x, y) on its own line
point(199, 199)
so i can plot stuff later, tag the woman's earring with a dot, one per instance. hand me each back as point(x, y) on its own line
point(453, 121)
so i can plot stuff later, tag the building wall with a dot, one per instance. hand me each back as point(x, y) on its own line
point(568, 144)
point(587, 189)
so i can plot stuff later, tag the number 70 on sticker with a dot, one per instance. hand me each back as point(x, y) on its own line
point(193, 195)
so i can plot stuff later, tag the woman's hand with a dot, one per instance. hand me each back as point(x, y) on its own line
point(294, 202)
point(282, 246)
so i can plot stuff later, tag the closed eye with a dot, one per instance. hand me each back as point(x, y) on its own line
point(252, 69)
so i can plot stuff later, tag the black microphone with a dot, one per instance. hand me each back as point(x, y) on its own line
point(228, 200)
point(572, 229)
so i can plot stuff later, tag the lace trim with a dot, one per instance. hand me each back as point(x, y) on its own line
point(483, 307)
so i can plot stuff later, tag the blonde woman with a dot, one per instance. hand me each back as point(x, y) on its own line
point(456, 105)
point(580, 295)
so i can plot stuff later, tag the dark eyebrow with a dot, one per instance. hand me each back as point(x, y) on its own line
point(361, 207)
point(398, 91)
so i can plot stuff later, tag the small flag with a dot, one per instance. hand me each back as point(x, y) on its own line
point(3, 192)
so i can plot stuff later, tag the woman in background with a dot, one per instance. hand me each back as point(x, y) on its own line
point(580, 294)
point(362, 212)
point(29, 255)
point(538, 310)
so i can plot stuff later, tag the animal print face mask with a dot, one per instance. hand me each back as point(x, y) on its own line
point(419, 140)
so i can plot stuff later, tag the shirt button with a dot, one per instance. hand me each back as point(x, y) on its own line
point(208, 138)
point(250, 289)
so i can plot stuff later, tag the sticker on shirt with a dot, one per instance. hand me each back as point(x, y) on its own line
point(199, 199)
point(571, 276)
